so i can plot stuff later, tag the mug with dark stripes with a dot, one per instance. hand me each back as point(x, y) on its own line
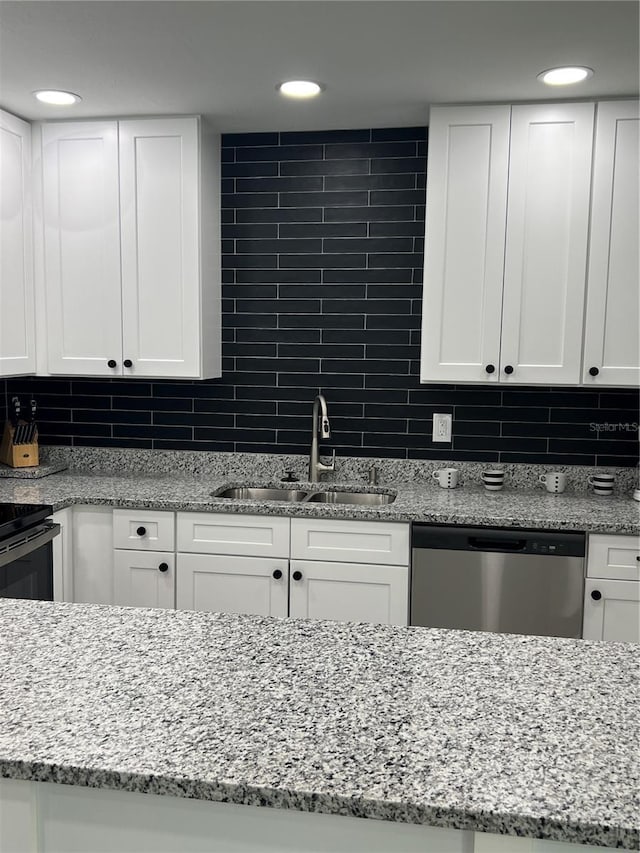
point(602, 484)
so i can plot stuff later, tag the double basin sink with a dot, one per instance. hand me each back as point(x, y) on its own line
point(258, 493)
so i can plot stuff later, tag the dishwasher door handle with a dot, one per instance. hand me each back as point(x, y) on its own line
point(481, 543)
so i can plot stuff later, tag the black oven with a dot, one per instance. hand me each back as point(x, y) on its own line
point(26, 551)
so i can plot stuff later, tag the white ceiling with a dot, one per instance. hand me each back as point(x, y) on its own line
point(382, 61)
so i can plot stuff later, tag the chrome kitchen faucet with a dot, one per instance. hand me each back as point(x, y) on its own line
point(320, 418)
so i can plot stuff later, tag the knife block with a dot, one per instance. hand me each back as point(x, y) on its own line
point(18, 455)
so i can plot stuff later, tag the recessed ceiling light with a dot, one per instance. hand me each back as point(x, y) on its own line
point(300, 88)
point(565, 76)
point(57, 97)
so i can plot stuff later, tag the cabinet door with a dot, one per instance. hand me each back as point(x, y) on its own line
point(349, 592)
point(17, 311)
point(159, 177)
point(612, 327)
point(144, 579)
point(93, 554)
point(546, 243)
point(464, 245)
point(82, 248)
point(227, 584)
point(614, 613)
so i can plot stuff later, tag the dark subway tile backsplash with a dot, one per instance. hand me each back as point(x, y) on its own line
point(323, 240)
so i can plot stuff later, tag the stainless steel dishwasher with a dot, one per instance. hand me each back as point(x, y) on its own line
point(513, 581)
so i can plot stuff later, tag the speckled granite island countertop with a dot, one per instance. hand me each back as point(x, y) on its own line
point(415, 501)
point(501, 733)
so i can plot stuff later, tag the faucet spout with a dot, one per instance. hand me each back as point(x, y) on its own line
point(320, 425)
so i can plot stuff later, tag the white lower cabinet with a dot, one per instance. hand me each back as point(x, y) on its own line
point(612, 589)
point(92, 551)
point(231, 584)
point(362, 576)
point(63, 556)
point(41, 817)
point(611, 611)
point(144, 579)
point(349, 592)
point(373, 542)
point(354, 571)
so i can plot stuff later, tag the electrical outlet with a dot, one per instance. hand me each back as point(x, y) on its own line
point(442, 427)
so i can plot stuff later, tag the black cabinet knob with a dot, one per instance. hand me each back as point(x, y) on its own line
point(141, 531)
point(638, 558)
point(593, 371)
point(127, 362)
point(277, 574)
point(297, 576)
point(508, 370)
point(490, 368)
point(596, 595)
point(163, 567)
point(112, 363)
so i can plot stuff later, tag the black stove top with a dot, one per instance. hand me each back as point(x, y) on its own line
point(17, 517)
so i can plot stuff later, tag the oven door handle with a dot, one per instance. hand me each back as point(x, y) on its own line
point(48, 534)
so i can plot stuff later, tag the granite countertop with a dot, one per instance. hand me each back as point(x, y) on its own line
point(491, 732)
point(415, 501)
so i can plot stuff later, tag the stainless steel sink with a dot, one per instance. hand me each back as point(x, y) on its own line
point(362, 498)
point(263, 493)
point(246, 493)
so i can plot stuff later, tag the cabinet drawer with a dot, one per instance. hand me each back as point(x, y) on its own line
point(143, 530)
point(615, 557)
point(244, 535)
point(377, 542)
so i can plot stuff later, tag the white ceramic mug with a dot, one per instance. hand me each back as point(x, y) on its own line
point(602, 484)
point(493, 479)
point(447, 477)
point(555, 481)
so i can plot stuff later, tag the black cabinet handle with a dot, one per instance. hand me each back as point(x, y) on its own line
point(127, 362)
point(490, 368)
point(277, 574)
point(508, 370)
point(593, 371)
point(596, 595)
point(297, 576)
point(112, 363)
point(163, 567)
point(141, 531)
point(638, 558)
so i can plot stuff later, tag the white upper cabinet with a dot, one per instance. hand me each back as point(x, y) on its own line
point(466, 209)
point(546, 243)
point(160, 246)
point(81, 220)
point(612, 332)
point(130, 291)
point(507, 220)
point(17, 317)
